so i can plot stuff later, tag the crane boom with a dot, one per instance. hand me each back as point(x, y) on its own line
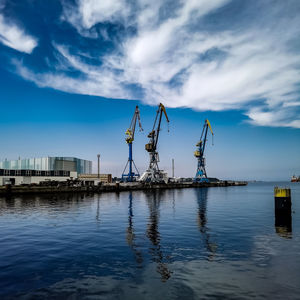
point(208, 123)
point(130, 132)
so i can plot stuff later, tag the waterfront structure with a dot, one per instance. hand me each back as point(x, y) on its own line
point(131, 175)
point(105, 178)
point(153, 173)
point(283, 211)
point(201, 175)
point(19, 177)
point(72, 164)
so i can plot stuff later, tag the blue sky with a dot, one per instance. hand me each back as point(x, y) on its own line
point(73, 71)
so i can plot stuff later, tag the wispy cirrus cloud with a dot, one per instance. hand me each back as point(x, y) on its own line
point(188, 54)
point(14, 37)
point(84, 14)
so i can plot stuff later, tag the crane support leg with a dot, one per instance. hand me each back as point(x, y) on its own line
point(131, 176)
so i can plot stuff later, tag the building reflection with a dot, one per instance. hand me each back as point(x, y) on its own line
point(153, 201)
point(130, 236)
point(45, 202)
point(9, 202)
point(201, 194)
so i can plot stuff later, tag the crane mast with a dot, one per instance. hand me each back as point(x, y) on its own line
point(153, 174)
point(201, 175)
point(131, 175)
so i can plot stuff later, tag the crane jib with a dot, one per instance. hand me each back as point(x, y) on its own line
point(208, 123)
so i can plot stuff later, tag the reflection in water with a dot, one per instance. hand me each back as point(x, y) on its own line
point(45, 202)
point(10, 202)
point(202, 221)
point(173, 201)
point(283, 224)
point(131, 235)
point(153, 201)
point(98, 208)
point(54, 241)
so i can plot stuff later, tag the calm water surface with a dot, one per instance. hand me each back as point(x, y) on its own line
point(174, 244)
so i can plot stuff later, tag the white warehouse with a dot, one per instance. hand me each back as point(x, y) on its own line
point(18, 177)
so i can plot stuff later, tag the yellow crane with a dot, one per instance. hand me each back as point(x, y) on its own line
point(131, 175)
point(201, 175)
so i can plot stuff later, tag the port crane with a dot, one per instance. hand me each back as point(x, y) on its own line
point(131, 175)
point(201, 175)
point(153, 174)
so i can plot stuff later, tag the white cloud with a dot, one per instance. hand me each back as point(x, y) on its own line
point(278, 117)
point(90, 85)
point(174, 60)
point(95, 11)
point(14, 37)
point(87, 13)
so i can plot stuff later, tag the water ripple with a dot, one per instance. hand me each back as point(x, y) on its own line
point(192, 243)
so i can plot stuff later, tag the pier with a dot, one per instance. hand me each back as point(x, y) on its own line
point(111, 187)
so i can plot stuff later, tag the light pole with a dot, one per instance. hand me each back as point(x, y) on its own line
point(173, 167)
point(98, 156)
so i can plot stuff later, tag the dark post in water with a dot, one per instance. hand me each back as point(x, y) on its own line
point(283, 211)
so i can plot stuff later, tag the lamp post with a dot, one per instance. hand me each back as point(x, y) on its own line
point(173, 167)
point(98, 156)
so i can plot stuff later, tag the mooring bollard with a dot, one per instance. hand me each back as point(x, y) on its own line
point(283, 211)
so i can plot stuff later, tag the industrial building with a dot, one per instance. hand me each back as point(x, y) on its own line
point(18, 177)
point(72, 164)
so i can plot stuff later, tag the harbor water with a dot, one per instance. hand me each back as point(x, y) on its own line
point(209, 243)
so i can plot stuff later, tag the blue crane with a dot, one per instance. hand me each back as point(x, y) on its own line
point(201, 175)
point(132, 176)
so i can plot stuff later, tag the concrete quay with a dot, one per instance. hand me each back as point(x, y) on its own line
point(111, 187)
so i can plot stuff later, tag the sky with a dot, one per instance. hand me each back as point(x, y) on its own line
point(72, 72)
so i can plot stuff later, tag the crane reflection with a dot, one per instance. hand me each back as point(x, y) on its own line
point(152, 233)
point(130, 236)
point(201, 194)
point(153, 201)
